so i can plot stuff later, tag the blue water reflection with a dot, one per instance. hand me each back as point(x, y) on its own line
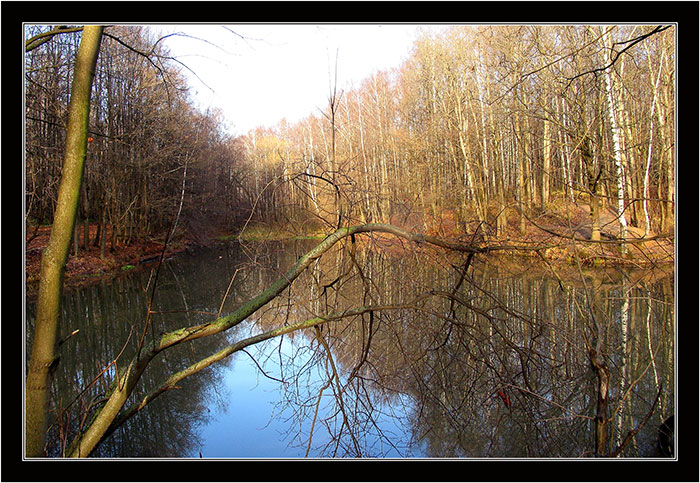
point(253, 423)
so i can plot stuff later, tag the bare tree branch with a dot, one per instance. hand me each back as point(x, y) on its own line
point(631, 42)
point(44, 37)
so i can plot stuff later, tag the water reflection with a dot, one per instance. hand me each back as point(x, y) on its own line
point(484, 359)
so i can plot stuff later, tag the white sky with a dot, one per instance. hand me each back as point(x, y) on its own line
point(283, 71)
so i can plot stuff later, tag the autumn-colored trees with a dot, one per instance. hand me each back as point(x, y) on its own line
point(488, 124)
point(495, 123)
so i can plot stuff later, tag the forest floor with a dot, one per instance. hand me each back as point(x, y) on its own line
point(563, 233)
point(552, 230)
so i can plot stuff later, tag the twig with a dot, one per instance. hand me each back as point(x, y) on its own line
point(223, 300)
point(155, 284)
point(634, 383)
point(261, 369)
point(339, 394)
point(313, 421)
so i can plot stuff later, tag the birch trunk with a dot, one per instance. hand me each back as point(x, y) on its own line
point(617, 153)
point(312, 180)
point(546, 163)
point(651, 142)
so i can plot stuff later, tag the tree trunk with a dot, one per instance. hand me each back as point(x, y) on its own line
point(647, 223)
point(601, 417)
point(566, 157)
point(592, 188)
point(86, 219)
point(520, 169)
point(546, 164)
point(103, 238)
point(599, 366)
point(617, 152)
point(43, 354)
point(182, 196)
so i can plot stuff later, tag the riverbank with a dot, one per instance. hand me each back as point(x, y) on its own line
point(561, 238)
point(89, 266)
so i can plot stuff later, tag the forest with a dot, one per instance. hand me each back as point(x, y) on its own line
point(483, 127)
point(555, 143)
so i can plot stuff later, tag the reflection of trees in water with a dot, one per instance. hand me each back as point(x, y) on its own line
point(421, 378)
point(496, 363)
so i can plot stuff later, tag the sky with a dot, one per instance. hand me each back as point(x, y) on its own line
point(259, 74)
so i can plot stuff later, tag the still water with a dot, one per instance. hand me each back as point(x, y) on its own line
point(480, 359)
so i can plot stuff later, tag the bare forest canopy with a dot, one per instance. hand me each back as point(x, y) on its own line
point(482, 125)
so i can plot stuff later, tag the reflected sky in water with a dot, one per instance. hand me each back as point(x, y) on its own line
point(243, 429)
point(253, 423)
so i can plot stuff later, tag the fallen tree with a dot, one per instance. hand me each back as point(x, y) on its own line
point(118, 406)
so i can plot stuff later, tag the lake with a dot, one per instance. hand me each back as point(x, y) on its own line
point(480, 359)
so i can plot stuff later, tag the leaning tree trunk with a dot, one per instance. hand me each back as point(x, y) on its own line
point(53, 262)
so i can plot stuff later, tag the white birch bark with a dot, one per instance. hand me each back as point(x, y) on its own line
point(617, 154)
point(651, 142)
point(546, 161)
point(310, 169)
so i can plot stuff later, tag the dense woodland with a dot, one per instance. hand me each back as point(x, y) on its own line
point(486, 124)
point(153, 159)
